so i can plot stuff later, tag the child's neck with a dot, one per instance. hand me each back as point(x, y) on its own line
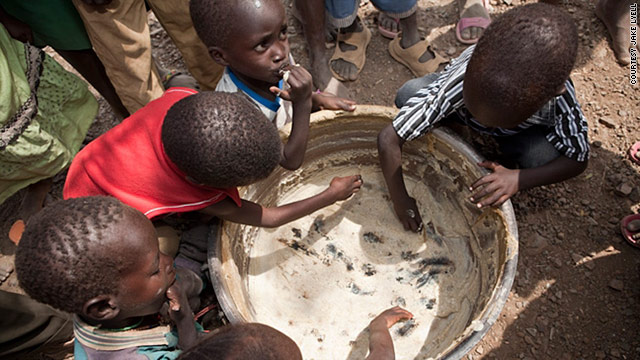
point(117, 324)
point(259, 86)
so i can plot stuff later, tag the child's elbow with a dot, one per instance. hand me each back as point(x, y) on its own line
point(580, 167)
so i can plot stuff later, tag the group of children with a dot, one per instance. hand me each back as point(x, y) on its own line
point(97, 255)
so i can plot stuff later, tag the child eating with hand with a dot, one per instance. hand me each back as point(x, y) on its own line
point(249, 38)
point(99, 259)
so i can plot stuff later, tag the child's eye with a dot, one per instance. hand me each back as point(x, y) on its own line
point(283, 33)
point(262, 47)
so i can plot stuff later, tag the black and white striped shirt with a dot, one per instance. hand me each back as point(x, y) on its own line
point(562, 115)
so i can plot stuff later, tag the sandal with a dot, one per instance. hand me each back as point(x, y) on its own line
point(360, 40)
point(410, 57)
point(386, 32)
point(175, 78)
point(464, 23)
point(15, 233)
point(632, 237)
point(633, 152)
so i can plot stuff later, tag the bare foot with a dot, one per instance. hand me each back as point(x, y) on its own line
point(616, 16)
point(470, 9)
point(344, 68)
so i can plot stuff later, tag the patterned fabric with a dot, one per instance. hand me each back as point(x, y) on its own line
point(94, 343)
point(44, 118)
point(562, 115)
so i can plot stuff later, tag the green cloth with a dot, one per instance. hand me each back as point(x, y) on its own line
point(55, 23)
point(66, 109)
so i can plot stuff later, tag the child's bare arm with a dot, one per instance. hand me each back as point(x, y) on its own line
point(182, 315)
point(496, 188)
point(380, 342)
point(390, 154)
point(326, 101)
point(299, 94)
point(254, 214)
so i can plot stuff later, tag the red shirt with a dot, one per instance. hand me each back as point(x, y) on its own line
point(128, 162)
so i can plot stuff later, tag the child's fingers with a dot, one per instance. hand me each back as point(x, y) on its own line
point(283, 94)
point(347, 105)
point(489, 165)
point(482, 181)
point(484, 191)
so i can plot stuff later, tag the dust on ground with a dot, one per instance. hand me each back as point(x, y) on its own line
point(577, 291)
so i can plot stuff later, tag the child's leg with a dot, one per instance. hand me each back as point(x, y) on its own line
point(130, 67)
point(176, 20)
point(529, 148)
point(87, 63)
point(411, 87)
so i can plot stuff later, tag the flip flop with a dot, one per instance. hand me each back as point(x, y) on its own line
point(470, 22)
point(632, 238)
point(633, 152)
point(360, 40)
point(410, 57)
point(386, 32)
point(15, 233)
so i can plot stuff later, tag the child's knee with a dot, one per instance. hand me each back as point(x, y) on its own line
point(411, 88)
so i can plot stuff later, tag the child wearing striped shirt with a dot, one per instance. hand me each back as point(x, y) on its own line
point(514, 85)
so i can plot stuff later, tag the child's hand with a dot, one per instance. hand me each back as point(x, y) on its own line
point(178, 302)
point(343, 187)
point(326, 101)
point(495, 188)
point(301, 85)
point(408, 213)
point(391, 316)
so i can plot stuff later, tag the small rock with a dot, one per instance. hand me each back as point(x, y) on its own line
point(615, 353)
point(610, 248)
point(597, 144)
point(590, 265)
point(600, 354)
point(560, 236)
point(576, 258)
point(529, 340)
point(623, 189)
point(616, 284)
point(532, 331)
point(557, 263)
point(451, 51)
point(480, 350)
point(607, 123)
point(508, 2)
point(613, 220)
point(622, 113)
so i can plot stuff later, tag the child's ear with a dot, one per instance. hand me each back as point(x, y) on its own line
point(101, 308)
point(218, 55)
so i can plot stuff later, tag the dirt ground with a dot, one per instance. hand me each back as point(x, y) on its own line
point(577, 291)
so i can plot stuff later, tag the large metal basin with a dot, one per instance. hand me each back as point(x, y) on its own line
point(322, 279)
